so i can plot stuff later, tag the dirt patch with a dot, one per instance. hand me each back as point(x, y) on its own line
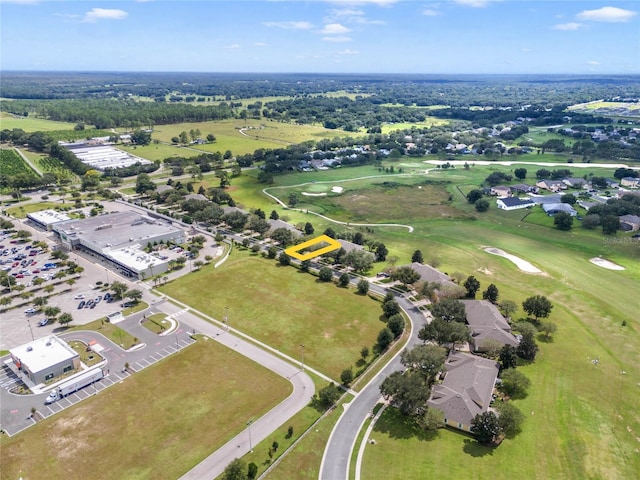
point(601, 262)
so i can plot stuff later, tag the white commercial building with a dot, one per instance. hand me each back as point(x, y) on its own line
point(45, 358)
point(118, 239)
point(47, 218)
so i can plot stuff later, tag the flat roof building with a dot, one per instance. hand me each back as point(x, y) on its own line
point(45, 358)
point(45, 219)
point(119, 239)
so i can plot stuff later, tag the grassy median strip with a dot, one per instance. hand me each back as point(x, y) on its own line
point(109, 330)
point(157, 424)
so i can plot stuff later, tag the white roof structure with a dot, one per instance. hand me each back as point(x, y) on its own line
point(43, 353)
point(135, 258)
point(102, 157)
point(48, 217)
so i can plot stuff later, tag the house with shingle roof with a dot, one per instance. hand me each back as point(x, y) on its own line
point(552, 209)
point(487, 325)
point(429, 274)
point(551, 185)
point(466, 389)
point(513, 203)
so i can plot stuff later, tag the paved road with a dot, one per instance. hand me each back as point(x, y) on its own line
point(337, 454)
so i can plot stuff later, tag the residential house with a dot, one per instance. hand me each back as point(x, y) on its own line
point(551, 185)
point(629, 223)
point(196, 196)
point(429, 274)
point(514, 203)
point(500, 191)
point(522, 188)
point(632, 182)
point(573, 182)
point(552, 209)
point(163, 188)
point(466, 389)
point(349, 246)
point(542, 199)
point(275, 224)
point(487, 325)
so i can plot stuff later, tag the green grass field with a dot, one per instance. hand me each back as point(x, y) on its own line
point(585, 417)
point(21, 211)
point(285, 308)
point(155, 425)
point(429, 122)
point(30, 124)
point(262, 134)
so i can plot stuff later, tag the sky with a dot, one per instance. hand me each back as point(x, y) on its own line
point(323, 36)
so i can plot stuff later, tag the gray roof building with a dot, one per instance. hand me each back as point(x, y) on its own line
point(554, 208)
point(430, 274)
point(487, 325)
point(466, 389)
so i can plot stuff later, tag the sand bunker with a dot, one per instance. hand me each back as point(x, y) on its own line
point(314, 194)
point(520, 263)
point(601, 262)
point(337, 189)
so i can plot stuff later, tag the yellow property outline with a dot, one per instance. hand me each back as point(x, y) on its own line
point(293, 251)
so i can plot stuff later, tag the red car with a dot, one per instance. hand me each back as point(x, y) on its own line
point(36, 271)
point(19, 275)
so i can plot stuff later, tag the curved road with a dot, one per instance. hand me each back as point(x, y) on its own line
point(337, 455)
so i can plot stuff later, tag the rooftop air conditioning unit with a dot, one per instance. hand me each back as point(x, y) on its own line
point(29, 348)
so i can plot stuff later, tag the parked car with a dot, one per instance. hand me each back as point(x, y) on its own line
point(30, 310)
point(97, 300)
point(81, 305)
point(88, 304)
point(44, 322)
point(107, 297)
point(80, 296)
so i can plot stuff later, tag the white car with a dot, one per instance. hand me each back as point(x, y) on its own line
point(79, 297)
point(30, 310)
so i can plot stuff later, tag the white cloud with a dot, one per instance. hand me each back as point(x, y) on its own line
point(567, 26)
point(430, 12)
point(261, 44)
point(289, 25)
point(525, 50)
point(593, 62)
point(233, 46)
point(336, 39)
point(96, 14)
point(475, 3)
point(607, 14)
point(350, 15)
point(348, 51)
point(334, 29)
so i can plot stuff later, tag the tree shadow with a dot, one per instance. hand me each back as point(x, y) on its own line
point(396, 425)
point(544, 338)
point(475, 449)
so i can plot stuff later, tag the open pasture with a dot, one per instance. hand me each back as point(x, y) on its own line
point(284, 308)
point(428, 123)
point(157, 424)
point(32, 124)
point(255, 134)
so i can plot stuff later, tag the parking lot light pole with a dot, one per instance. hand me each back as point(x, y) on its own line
point(226, 319)
point(249, 425)
point(302, 345)
point(30, 329)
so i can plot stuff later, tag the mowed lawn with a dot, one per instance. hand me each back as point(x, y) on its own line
point(31, 124)
point(285, 309)
point(257, 134)
point(157, 424)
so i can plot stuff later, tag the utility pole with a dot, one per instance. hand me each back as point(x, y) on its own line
point(30, 329)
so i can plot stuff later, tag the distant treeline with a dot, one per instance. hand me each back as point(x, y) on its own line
point(112, 113)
